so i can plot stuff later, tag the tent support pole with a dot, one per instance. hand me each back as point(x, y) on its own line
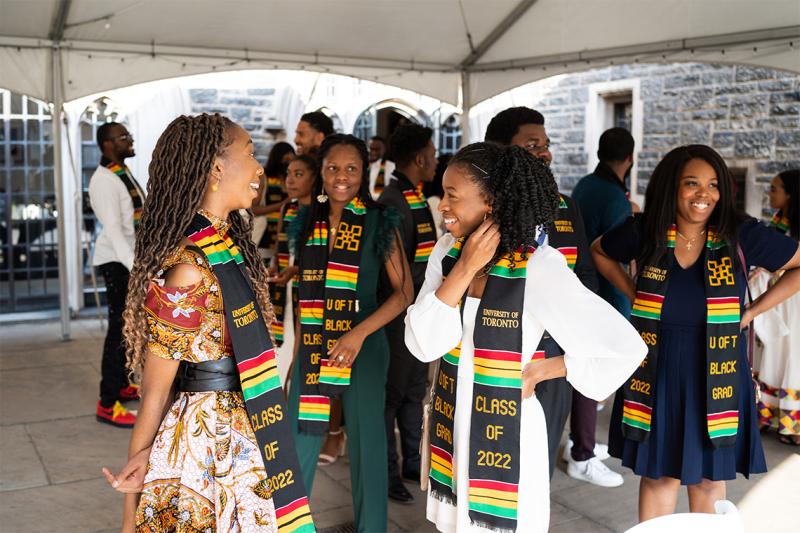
point(56, 122)
point(466, 105)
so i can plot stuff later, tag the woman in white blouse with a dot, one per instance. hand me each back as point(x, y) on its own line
point(494, 199)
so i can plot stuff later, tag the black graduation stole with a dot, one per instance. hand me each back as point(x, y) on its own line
point(780, 222)
point(561, 236)
point(273, 195)
point(496, 399)
point(258, 372)
point(328, 307)
point(380, 180)
point(722, 338)
point(277, 293)
point(134, 190)
point(425, 237)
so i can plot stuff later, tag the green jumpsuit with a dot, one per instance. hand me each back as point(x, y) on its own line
point(364, 400)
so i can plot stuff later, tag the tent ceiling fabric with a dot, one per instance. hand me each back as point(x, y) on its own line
point(413, 44)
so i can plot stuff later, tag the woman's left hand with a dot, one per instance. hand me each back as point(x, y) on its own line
point(345, 350)
point(530, 379)
point(747, 318)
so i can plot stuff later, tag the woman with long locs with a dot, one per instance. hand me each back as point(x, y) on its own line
point(688, 416)
point(212, 448)
point(491, 290)
point(344, 242)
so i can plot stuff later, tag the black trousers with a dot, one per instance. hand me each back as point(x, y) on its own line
point(555, 395)
point(582, 426)
point(406, 384)
point(113, 374)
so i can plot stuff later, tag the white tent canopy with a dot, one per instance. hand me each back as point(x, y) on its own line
point(458, 51)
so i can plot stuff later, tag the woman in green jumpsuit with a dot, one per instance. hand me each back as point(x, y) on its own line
point(341, 274)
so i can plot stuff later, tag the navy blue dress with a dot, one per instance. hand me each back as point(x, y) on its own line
point(678, 445)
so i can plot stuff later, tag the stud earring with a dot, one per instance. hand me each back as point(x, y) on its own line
point(322, 198)
point(215, 186)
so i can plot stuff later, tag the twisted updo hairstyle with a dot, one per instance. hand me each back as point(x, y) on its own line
point(182, 161)
point(520, 189)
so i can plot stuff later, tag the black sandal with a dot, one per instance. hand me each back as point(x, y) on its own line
point(788, 440)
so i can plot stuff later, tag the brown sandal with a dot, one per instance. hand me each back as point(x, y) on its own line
point(789, 440)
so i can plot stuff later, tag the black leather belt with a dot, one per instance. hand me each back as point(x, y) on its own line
point(208, 376)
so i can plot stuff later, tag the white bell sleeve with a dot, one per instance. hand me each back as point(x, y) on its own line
point(433, 328)
point(602, 349)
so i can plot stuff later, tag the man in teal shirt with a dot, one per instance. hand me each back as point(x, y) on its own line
point(604, 200)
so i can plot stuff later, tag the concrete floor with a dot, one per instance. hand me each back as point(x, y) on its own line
point(52, 450)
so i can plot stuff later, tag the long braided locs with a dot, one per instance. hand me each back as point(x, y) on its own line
point(182, 161)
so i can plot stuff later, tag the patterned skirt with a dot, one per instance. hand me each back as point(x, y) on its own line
point(205, 472)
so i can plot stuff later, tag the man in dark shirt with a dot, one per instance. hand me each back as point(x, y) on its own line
point(415, 158)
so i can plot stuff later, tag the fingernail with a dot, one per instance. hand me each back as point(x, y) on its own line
point(115, 484)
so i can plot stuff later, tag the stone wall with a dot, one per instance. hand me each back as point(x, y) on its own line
point(746, 113)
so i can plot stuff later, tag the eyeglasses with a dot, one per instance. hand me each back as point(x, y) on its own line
point(532, 148)
point(123, 137)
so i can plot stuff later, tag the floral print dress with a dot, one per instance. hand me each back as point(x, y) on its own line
point(205, 472)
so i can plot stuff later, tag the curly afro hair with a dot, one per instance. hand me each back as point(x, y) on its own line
point(519, 187)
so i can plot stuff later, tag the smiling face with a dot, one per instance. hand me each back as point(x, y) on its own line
point(237, 171)
point(299, 181)
point(778, 199)
point(698, 192)
point(342, 172)
point(463, 207)
point(376, 150)
point(306, 137)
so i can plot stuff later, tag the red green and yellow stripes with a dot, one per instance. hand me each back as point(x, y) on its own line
point(538, 355)
point(259, 374)
point(498, 368)
point(713, 242)
point(316, 408)
point(311, 312)
point(636, 414)
point(494, 498)
point(331, 375)
point(780, 222)
point(290, 214)
point(283, 258)
point(441, 466)
point(506, 268)
point(723, 310)
point(647, 305)
point(455, 251)
point(356, 206)
point(423, 251)
point(121, 171)
point(723, 424)
point(341, 276)
point(219, 250)
point(319, 235)
point(277, 330)
point(274, 217)
point(295, 517)
point(453, 356)
point(672, 233)
point(570, 253)
point(415, 200)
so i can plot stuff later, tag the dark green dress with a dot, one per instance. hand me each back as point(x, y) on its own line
point(363, 401)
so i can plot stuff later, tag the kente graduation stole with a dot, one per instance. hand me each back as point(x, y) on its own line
point(273, 195)
point(380, 180)
point(277, 293)
point(328, 307)
point(494, 455)
point(134, 190)
point(258, 372)
point(722, 338)
point(423, 220)
point(780, 222)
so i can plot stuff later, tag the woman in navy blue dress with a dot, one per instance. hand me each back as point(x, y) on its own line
point(668, 429)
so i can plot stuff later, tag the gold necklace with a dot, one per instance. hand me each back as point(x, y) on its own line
point(689, 242)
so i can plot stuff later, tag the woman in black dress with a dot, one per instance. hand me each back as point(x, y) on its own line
point(688, 416)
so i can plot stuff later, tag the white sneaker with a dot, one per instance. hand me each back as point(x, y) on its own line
point(595, 472)
point(600, 451)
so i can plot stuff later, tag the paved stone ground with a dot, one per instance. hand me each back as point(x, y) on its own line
point(52, 450)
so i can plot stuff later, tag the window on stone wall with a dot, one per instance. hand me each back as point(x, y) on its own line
point(28, 235)
point(623, 113)
point(739, 175)
point(365, 124)
point(98, 112)
point(450, 135)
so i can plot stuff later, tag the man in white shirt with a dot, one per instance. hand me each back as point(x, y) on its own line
point(380, 168)
point(117, 200)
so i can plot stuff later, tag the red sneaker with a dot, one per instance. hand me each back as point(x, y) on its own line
point(129, 393)
point(116, 415)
